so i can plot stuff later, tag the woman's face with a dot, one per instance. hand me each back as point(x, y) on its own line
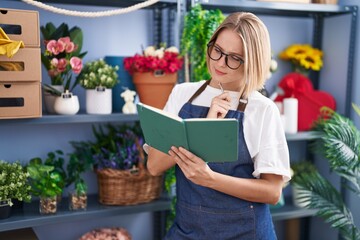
point(227, 42)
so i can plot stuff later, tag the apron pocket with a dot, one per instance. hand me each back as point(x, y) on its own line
point(196, 222)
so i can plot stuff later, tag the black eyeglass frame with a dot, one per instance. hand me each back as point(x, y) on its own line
point(212, 45)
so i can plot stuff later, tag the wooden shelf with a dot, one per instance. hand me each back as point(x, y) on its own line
point(29, 216)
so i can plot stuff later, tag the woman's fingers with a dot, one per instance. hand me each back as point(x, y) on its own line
point(220, 105)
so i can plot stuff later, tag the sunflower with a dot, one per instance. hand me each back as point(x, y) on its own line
point(303, 56)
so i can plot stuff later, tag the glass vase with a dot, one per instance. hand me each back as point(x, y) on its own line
point(77, 201)
point(48, 205)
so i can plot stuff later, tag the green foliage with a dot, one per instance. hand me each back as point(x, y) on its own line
point(14, 182)
point(98, 74)
point(170, 180)
point(76, 166)
point(44, 181)
point(56, 159)
point(301, 167)
point(339, 144)
point(199, 25)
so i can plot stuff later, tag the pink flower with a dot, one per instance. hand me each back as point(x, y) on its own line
point(55, 47)
point(61, 66)
point(54, 62)
point(76, 64)
point(69, 45)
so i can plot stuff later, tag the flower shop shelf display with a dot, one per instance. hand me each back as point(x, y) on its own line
point(98, 78)
point(118, 160)
point(62, 57)
point(154, 73)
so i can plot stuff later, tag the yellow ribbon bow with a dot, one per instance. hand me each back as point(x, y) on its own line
point(7, 46)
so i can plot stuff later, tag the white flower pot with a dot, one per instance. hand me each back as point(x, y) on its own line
point(49, 99)
point(67, 104)
point(99, 101)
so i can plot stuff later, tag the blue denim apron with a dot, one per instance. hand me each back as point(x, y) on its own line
point(205, 214)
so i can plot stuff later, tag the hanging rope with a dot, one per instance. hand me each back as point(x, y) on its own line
point(91, 14)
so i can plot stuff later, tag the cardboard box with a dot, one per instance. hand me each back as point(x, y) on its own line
point(20, 100)
point(21, 25)
point(25, 65)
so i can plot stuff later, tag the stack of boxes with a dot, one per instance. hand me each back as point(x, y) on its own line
point(20, 79)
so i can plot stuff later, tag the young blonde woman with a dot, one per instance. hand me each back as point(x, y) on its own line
point(229, 200)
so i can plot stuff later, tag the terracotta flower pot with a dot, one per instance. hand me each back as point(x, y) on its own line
point(154, 88)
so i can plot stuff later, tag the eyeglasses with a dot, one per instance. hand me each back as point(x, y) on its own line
point(233, 61)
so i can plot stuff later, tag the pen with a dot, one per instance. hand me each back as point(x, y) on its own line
point(222, 90)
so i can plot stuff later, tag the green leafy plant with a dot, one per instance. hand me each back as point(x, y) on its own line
point(301, 167)
point(98, 74)
point(199, 25)
point(14, 182)
point(62, 55)
point(44, 180)
point(77, 165)
point(340, 145)
point(57, 160)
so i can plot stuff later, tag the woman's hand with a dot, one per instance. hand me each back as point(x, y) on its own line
point(220, 105)
point(193, 167)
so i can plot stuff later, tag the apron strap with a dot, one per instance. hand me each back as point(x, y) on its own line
point(242, 102)
point(200, 90)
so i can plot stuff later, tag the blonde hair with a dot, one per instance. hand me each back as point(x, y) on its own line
point(257, 49)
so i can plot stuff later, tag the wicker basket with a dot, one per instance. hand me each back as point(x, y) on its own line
point(121, 187)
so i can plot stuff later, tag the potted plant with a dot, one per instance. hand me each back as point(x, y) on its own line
point(45, 183)
point(98, 78)
point(154, 73)
point(13, 185)
point(62, 57)
point(77, 165)
point(118, 160)
point(340, 145)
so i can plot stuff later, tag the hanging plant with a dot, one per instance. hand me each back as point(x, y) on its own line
point(199, 25)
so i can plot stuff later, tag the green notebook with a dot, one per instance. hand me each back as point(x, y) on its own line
point(214, 140)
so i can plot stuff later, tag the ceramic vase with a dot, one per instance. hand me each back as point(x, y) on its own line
point(67, 104)
point(99, 101)
point(155, 87)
